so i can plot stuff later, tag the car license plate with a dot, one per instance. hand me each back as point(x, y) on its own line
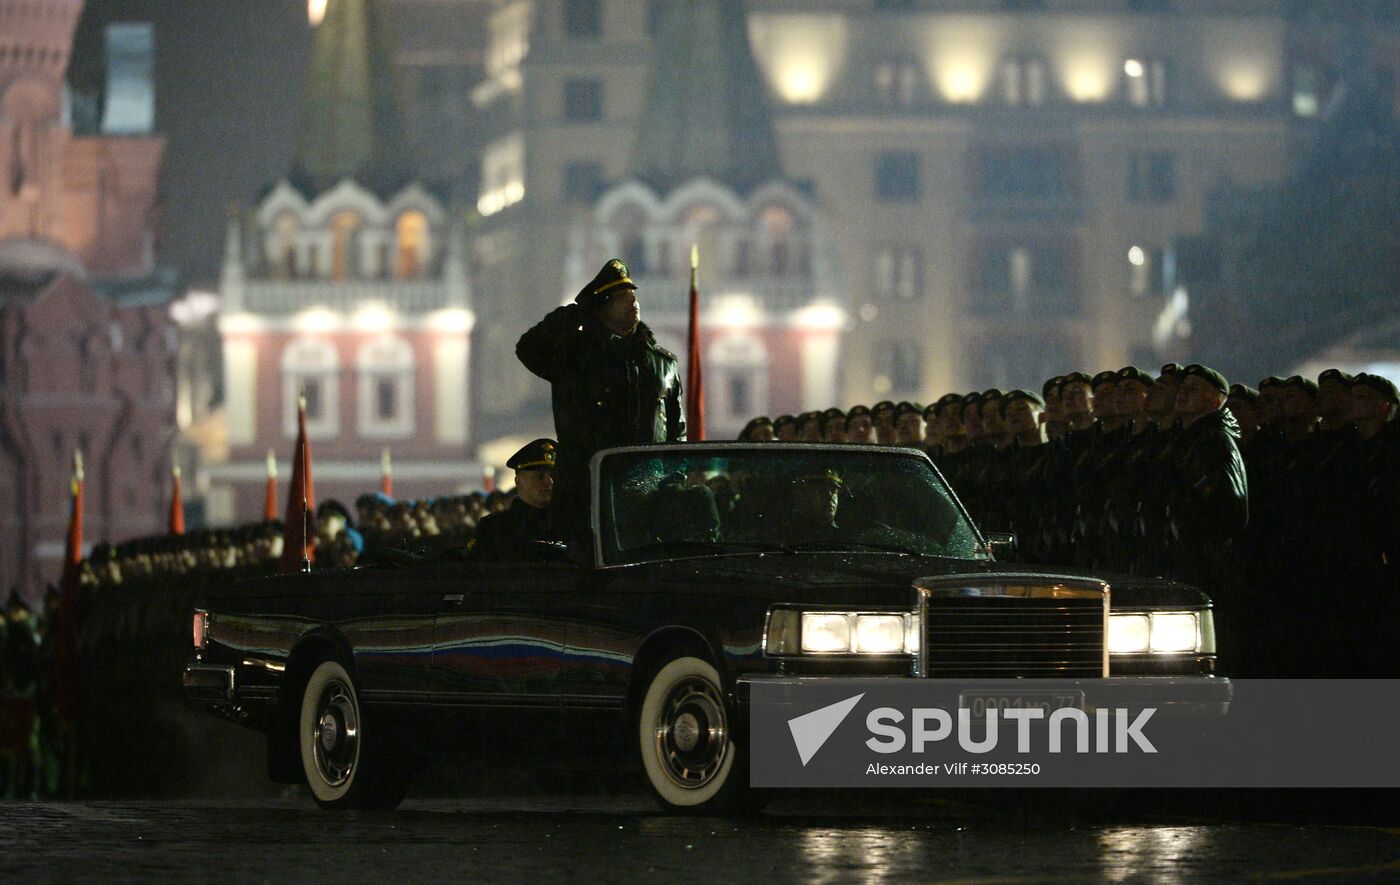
point(979, 702)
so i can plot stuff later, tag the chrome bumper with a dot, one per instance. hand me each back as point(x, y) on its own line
point(205, 682)
point(1205, 697)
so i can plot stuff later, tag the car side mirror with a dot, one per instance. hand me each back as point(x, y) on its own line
point(1002, 545)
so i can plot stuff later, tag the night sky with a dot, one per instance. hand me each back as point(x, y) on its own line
point(229, 78)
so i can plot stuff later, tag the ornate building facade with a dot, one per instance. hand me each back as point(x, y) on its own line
point(347, 282)
point(87, 347)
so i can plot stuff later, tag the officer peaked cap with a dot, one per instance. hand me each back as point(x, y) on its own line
point(536, 455)
point(612, 278)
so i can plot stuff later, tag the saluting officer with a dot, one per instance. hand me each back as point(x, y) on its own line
point(511, 535)
point(610, 384)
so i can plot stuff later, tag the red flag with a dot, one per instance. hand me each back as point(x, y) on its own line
point(177, 506)
point(386, 474)
point(65, 659)
point(298, 547)
point(270, 493)
point(694, 380)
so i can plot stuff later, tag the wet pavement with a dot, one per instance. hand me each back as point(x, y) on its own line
point(866, 837)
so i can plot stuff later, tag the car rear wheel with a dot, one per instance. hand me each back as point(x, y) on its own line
point(346, 766)
point(684, 732)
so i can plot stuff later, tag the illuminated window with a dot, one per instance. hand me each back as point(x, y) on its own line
point(776, 233)
point(502, 175)
point(1306, 89)
point(1020, 276)
point(583, 18)
point(1148, 269)
point(1023, 82)
point(385, 368)
point(313, 365)
point(583, 100)
point(1146, 82)
point(899, 273)
point(282, 252)
point(1151, 177)
point(345, 245)
point(899, 82)
point(897, 177)
point(412, 233)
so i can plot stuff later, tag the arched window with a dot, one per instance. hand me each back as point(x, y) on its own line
point(282, 247)
point(776, 233)
point(345, 245)
point(412, 231)
point(313, 365)
point(385, 368)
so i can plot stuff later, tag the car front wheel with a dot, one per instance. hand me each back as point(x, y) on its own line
point(687, 747)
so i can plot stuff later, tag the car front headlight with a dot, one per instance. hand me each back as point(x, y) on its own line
point(793, 632)
point(825, 633)
point(1139, 633)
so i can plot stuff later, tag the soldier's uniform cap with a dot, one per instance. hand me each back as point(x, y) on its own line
point(1382, 385)
point(824, 474)
point(783, 421)
point(1272, 381)
point(855, 412)
point(536, 455)
point(1171, 370)
point(945, 401)
point(1206, 373)
point(1103, 378)
point(972, 398)
point(1133, 373)
point(1076, 378)
point(1244, 392)
point(905, 407)
point(1307, 385)
point(993, 393)
point(1029, 396)
point(760, 421)
point(1335, 375)
point(881, 407)
point(612, 278)
point(834, 413)
point(1051, 384)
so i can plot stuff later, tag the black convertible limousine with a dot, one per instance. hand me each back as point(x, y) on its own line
point(816, 560)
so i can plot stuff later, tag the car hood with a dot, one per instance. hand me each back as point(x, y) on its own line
point(831, 576)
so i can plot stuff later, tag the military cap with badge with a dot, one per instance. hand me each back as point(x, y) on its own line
point(613, 278)
point(538, 454)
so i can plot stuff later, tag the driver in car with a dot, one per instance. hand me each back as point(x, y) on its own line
point(816, 497)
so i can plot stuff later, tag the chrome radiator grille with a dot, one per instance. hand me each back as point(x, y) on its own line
point(1012, 629)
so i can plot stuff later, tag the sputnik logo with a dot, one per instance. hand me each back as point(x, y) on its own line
point(811, 730)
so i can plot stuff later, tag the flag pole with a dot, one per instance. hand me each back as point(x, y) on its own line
point(694, 381)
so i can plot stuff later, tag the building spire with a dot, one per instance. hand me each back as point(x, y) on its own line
point(706, 113)
point(351, 126)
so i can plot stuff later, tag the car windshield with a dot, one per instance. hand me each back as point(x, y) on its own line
point(663, 503)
